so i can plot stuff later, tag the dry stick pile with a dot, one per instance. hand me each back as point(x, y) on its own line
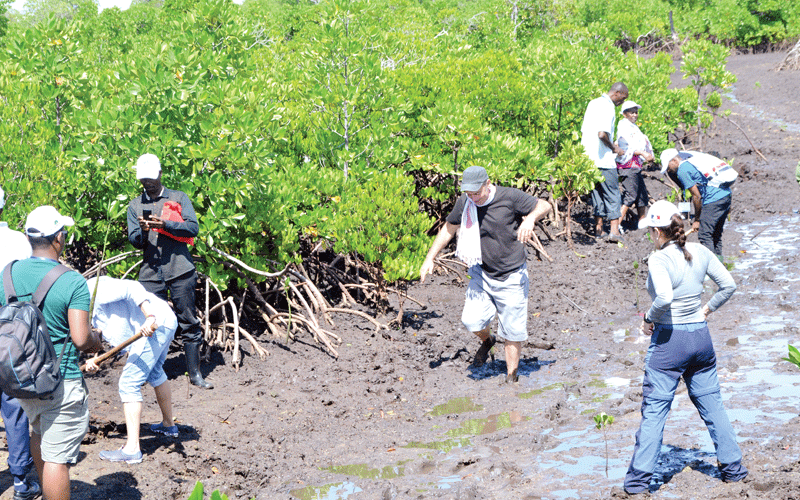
point(304, 302)
point(792, 60)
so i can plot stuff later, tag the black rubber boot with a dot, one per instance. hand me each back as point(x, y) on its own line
point(192, 351)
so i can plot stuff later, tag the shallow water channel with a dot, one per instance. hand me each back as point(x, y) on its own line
point(758, 390)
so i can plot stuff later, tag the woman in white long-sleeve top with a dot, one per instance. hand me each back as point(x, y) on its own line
point(629, 165)
point(122, 308)
point(680, 346)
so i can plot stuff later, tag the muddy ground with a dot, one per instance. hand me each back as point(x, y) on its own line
point(402, 415)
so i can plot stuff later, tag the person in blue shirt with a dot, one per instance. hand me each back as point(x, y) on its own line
point(712, 204)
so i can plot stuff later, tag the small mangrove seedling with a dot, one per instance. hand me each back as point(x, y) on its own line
point(198, 493)
point(601, 420)
point(794, 356)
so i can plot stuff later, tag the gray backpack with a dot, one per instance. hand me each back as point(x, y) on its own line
point(29, 368)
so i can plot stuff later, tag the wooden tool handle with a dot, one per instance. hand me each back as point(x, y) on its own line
point(115, 350)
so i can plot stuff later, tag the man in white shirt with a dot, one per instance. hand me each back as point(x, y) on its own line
point(20, 461)
point(597, 137)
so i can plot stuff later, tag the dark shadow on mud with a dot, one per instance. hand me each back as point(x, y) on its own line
point(115, 433)
point(117, 485)
point(527, 366)
point(415, 320)
point(442, 359)
point(676, 459)
point(6, 481)
point(175, 366)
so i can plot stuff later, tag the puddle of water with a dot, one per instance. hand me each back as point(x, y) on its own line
point(764, 242)
point(446, 483)
point(761, 114)
point(767, 323)
point(488, 425)
point(333, 491)
point(365, 472)
point(457, 438)
point(536, 392)
point(443, 446)
point(618, 382)
point(455, 406)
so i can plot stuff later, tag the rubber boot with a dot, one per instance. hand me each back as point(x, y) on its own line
point(192, 350)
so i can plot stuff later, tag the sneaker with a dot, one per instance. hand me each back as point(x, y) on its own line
point(121, 456)
point(615, 238)
point(32, 491)
point(159, 428)
point(484, 351)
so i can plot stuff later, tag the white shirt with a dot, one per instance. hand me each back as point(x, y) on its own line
point(117, 310)
point(599, 117)
point(631, 139)
point(13, 246)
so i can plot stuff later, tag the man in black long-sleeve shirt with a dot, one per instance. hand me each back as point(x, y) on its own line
point(167, 263)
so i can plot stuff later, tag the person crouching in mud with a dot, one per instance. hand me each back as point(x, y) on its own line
point(493, 223)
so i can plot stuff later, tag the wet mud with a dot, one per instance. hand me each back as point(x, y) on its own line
point(402, 415)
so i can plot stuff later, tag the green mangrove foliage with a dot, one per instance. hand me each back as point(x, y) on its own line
point(296, 126)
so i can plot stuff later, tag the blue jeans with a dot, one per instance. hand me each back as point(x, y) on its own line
point(15, 421)
point(606, 197)
point(681, 351)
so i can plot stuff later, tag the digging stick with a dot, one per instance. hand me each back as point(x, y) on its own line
point(115, 350)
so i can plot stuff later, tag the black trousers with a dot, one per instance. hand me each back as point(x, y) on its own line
point(712, 221)
point(181, 291)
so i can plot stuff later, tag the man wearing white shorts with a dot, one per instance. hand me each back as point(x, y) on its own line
point(492, 223)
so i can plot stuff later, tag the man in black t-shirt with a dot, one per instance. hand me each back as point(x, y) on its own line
point(493, 223)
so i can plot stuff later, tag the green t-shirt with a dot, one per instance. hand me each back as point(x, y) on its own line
point(68, 292)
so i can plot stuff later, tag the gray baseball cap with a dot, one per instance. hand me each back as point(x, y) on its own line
point(473, 178)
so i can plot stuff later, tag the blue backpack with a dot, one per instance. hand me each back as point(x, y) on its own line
point(29, 368)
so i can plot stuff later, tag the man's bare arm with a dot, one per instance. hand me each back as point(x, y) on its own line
point(442, 239)
point(525, 230)
point(605, 139)
point(697, 201)
point(80, 332)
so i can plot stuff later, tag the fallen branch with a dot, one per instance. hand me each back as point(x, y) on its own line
point(573, 303)
point(105, 263)
point(744, 134)
point(363, 315)
point(262, 353)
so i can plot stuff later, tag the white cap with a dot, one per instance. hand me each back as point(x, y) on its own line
point(46, 221)
point(667, 157)
point(148, 167)
point(2, 198)
point(659, 215)
point(628, 105)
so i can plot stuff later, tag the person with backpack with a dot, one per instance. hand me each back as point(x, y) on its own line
point(162, 223)
point(709, 180)
point(60, 420)
point(20, 462)
point(121, 309)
